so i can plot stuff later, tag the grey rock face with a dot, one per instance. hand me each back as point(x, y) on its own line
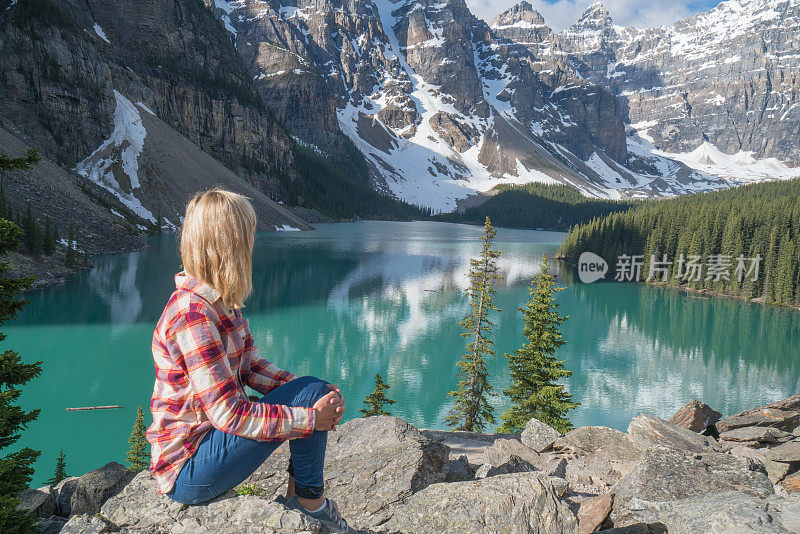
point(518, 503)
point(37, 501)
point(514, 464)
point(787, 452)
point(730, 511)
point(539, 436)
point(667, 475)
point(62, 493)
point(459, 470)
point(757, 435)
point(776, 471)
point(606, 443)
point(647, 431)
point(501, 450)
point(96, 487)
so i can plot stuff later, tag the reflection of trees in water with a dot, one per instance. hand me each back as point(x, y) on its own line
point(115, 283)
point(661, 349)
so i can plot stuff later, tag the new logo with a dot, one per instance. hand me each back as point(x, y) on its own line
point(591, 267)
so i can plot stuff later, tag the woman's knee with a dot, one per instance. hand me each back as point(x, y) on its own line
point(310, 389)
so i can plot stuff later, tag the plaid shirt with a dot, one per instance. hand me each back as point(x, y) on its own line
point(204, 356)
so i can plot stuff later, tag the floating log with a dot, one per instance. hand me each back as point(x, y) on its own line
point(93, 408)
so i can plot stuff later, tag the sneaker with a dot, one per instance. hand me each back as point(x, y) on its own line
point(329, 515)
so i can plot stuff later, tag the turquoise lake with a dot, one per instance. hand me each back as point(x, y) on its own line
point(350, 300)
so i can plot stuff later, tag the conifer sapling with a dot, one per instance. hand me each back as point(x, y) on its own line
point(138, 456)
point(377, 399)
point(534, 391)
point(61, 470)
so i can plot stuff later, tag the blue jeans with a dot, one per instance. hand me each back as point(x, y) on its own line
point(222, 461)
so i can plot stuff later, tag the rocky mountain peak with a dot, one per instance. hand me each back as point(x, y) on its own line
point(521, 15)
point(596, 17)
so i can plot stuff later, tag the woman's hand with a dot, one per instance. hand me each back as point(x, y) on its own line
point(329, 409)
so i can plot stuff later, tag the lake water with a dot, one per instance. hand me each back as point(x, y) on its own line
point(351, 300)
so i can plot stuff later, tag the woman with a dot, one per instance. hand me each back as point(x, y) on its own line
point(207, 436)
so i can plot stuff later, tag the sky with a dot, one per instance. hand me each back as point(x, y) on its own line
point(562, 13)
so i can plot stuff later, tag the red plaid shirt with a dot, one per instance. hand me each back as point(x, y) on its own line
point(204, 356)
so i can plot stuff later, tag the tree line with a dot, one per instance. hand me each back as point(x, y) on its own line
point(538, 207)
point(742, 242)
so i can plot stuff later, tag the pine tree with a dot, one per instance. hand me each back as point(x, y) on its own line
point(534, 390)
point(69, 258)
point(15, 468)
point(472, 410)
point(377, 399)
point(61, 470)
point(139, 454)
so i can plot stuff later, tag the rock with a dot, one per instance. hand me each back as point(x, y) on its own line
point(459, 470)
point(513, 503)
point(792, 483)
point(603, 442)
point(647, 431)
point(757, 434)
point(729, 511)
point(560, 485)
point(539, 436)
point(139, 508)
point(515, 464)
point(87, 524)
point(62, 494)
point(52, 524)
point(483, 470)
point(787, 452)
point(502, 449)
point(668, 475)
point(593, 512)
point(781, 419)
point(95, 487)
point(383, 476)
point(36, 501)
point(695, 416)
point(776, 471)
point(555, 467)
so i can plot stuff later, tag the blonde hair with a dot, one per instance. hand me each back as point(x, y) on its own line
point(215, 243)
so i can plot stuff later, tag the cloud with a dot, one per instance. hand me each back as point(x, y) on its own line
point(560, 14)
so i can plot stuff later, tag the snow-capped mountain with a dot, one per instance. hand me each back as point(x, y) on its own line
point(443, 105)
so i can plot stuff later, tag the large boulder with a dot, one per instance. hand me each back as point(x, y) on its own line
point(783, 414)
point(539, 436)
point(139, 508)
point(607, 443)
point(96, 487)
point(729, 511)
point(383, 460)
point(513, 503)
point(756, 436)
point(647, 431)
point(37, 501)
point(695, 416)
point(667, 475)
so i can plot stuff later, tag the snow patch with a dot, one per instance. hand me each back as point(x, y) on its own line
point(123, 147)
point(100, 33)
point(286, 228)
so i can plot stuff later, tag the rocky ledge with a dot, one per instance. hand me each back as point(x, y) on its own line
point(696, 473)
